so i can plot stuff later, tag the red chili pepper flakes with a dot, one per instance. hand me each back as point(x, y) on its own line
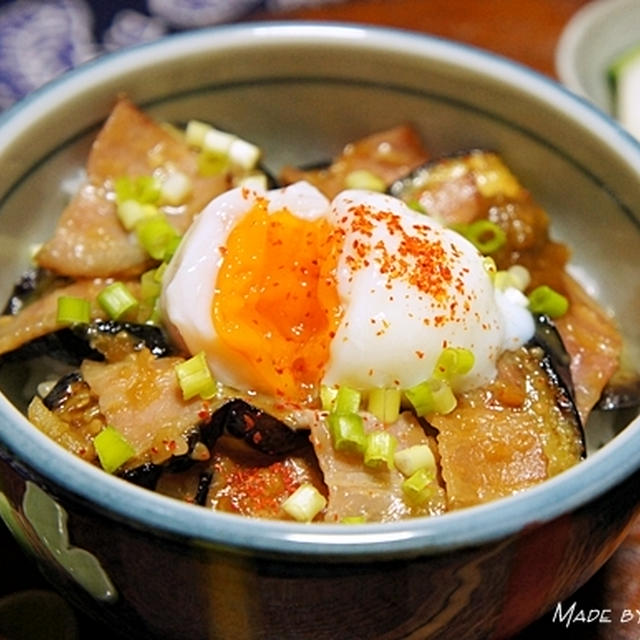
point(261, 490)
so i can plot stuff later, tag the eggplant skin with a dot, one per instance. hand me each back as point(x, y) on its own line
point(33, 283)
point(556, 362)
point(257, 428)
point(72, 345)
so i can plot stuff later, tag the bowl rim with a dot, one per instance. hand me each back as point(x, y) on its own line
point(577, 30)
point(146, 510)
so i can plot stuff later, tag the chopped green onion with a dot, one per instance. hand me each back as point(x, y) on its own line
point(416, 206)
point(379, 449)
point(112, 448)
point(305, 503)
point(347, 400)
point(545, 300)
point(257, 181)
point(73, 310)
point(211, 164)
point(487, 236)
point(196, 132)
point(328, 397)
point(364, 179)
point(419, 486)
point(243, 154)
point(347, 432)
point(217, 142)
point(195, 379)
point(142, 189)
point(452, 362)
point(384, 404)
point(150, 286)
point(175, 189)
point(353, 520)
point(431, 396)
point(157, 237)
point(131, 212)
point(117, 300)
point(515, 276)
point(409, 460)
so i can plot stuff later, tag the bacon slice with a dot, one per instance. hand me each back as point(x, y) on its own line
point(389, 155)
point(141, 398)
point(40, 317)
point(89, 240)
point(355, 490)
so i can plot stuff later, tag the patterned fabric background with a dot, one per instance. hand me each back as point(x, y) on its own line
point(40, 39)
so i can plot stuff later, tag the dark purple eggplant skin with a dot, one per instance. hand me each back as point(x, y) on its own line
point(72, 345)
point(556, 362)
point(32, 284)
point(237, 418)
point(258, 429)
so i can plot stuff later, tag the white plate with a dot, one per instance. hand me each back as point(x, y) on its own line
point(592, 39)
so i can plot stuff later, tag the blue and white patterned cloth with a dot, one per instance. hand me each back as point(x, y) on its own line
point(39, 39)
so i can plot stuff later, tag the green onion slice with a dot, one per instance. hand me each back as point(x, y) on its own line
point(364, 179)
point(347, 432)
point(379, 449)
point(141, 189)
point(112, 448)
point(419, 487)
point(117, 300)
point(195, 379)
point(487, 236)
point(452, 362)
point(545, 300)
point(411, 459)
point(73, 310)
point(384, 404)
point(347, 400)
point(431, 396)
point(157, 237)
point(305, 503)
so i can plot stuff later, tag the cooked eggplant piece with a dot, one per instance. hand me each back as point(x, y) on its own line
point(258, 429)
point(516, 432)
point(557, 363)
point(237, 418)
point(72, 345)
point(32, 285)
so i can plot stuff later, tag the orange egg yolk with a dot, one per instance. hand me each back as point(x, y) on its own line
point(276, 302)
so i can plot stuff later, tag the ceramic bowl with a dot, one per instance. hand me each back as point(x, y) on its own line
point(594, 37)
point(151, 566)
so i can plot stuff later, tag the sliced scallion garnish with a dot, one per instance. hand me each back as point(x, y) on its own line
point(431, 396)
point(545, 300)
point(418, 456)
point(117, 300)
point(364, 179)
point(419, 486)
point(452, 362)
point(157, 237)
point(347, 432)
point(112, 448)
point(305, 503)
point(73, 310)
point(347, 400)
point(379, 449)
point(195, 378)
point(384, 404)
point(487, 236)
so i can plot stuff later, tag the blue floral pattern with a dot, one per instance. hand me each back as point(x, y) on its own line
point(40, 39)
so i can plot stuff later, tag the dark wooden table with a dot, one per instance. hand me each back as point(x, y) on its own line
point(527, 31)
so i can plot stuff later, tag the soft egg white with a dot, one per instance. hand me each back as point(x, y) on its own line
point(410, 288)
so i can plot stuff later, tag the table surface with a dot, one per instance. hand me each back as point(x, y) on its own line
point(526, 31)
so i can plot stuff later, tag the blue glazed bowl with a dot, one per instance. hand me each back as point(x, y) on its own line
point(151, 566)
